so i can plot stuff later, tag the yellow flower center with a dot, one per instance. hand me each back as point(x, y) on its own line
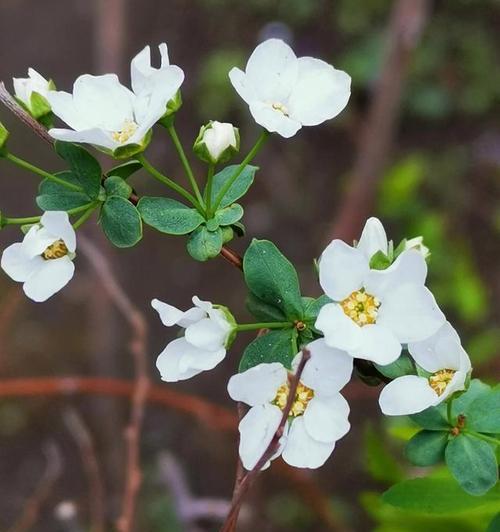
point(55, 251)
point(302, 397)
point(129, 128)
point(280, 107)
point(361, 307)
point(439, 381)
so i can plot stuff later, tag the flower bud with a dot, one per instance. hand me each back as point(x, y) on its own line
point(417, 243)
point(31, 93)
point(4, 135)
point(217, 142)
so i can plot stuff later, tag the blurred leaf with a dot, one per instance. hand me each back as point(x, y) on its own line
point(427, 447)
point(483, 414)
point(483, 346)
point(379, 461)
point(402, 366)
point(433, 418)
point(461, 405)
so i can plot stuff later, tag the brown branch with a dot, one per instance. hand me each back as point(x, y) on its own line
point(138, 348)
point(232, 257)
point(26, 118)
point(42, 491)
point(83, 439)
point(403, 34)
point(249, 478)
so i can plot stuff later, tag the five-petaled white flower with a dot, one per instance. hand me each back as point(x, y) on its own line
point(103, 112)
point(24, 88)
point(203, 346)
point(285, 93)
point(448, 365)
point(375, 311)
point(318, 416)
point(43, 260)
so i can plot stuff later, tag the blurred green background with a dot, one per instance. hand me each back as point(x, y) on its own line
point(441, 181)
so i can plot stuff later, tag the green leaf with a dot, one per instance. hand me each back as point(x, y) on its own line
point(271, 277)
point(121, 222)
point(238, 189)
point(402, 366)
point(473, 463)
point(116, 186)
point(483, 414)
point(230, 215)
point(313, 306)
point(275, 346)
point(461, 405)
point(434, 418)
point(427, 447)
point(262, 311)
point(204, 244)
point(494, 526)
point(55, 197)
point(169, 216)
point(379, 461)
point(380, 261)
point(125, 170)
point(84, 167)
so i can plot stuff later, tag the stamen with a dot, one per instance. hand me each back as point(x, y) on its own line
point(302, 397)
point(129, 128)
point(281, 108)
point(55, 251)
point(439, 381)
point(361, 307)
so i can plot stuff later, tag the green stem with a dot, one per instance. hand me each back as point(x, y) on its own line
point(448, 412)
point(167, 181)
point(185, 163)
point(480, 436)
point(85, 216)
point(35, 219)
point(264, 325)
point(32, 168)
point(251, 154)
point(210, 179)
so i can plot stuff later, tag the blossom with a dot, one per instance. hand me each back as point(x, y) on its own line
point(43, 261)
point(448, 366)
point(33, 92)
point(285, 92)
point(375, 311)
point(103, 112)
point(318, 416)
point(217, 142)
point(207, 334)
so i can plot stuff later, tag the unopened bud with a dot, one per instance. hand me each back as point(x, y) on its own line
point(217, 142)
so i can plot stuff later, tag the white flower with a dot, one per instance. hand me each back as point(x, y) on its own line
point(319, 414)
point(285, 93)
point(34, 83)
point(375, 311)
point(203, 346)
point(443, 357)
point(103, 112)
point(217, 141)
point(43, 260)
point(418, 244)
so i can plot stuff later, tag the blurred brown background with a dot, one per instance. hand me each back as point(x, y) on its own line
point(419, 146)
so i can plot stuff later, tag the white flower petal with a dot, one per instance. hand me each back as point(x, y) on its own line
point(321, 92)
point(17, 264)
point(257, 385)
point(168, 362)
point(49, 278)
point(257, 429)
point(378, 344)
point(411, 313)
point(201, 359)
point(170, 315)
point(407, 395)
point(273, 120)
point(37, 240)
point(326, 418)
point(328, 370)
point(242, 85)
point(373, 238)
point(342, 270)
point(57, 223)
point(339, 330)
point(206, 334)
point(301, 450)
point(64, 107)
point(94, 136)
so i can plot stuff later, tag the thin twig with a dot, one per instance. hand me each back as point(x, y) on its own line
point(232, 257)
point(249, 478)
point(138, 348)
point(83, 439)
point(42, 491)
point(403, 34)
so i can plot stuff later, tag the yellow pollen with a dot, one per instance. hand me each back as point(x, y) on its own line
point(361, 307)
point(55, 251)
point(302, 397)
point(281, 108)
point(439, 381)
point(129, 128)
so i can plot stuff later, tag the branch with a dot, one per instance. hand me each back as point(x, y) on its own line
point(405, 27)
point(249, 478)
point(232, 257)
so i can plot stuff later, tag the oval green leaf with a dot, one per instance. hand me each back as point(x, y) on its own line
point(55, 197)
point(169, 216)
point(204, 244)
point(121, 222)
point(230, 215)
point(275, 346)
point(238, 189)
point(427, 447)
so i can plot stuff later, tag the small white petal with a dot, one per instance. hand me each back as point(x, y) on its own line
point(206, 334)
point(49, 278)
point(339, 330)
point(17, 264)
point(378, 344)
point(326, 418)
point(373, 238)
point(170, 315)
point(274, 120)
point(342, 270)
point(243, 87)
point(57, 223)
point(407, 395)
point(257, 429)
point(257, 385)
point(201, 359)
point(37, 240)
point(301, 450)
point(94, 136)
point(168, 362)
